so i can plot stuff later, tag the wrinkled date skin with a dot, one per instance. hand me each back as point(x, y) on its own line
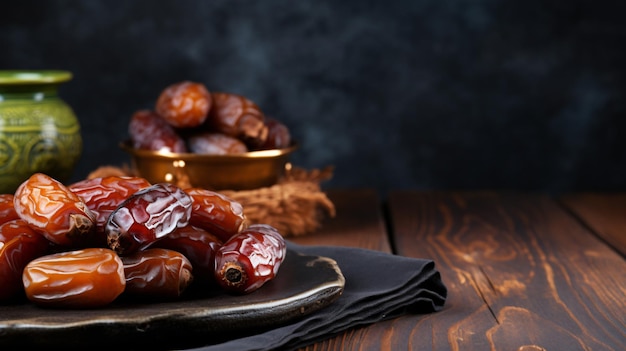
point(54, 211)
point(19, 244)
point(7, 210)
point(215, 144)
point(199, 246)
point(249, 259)
point(184, 104)
point(104, 194)
point(278, 136)
point(216, 213)
point(157, 273)
point(84, 278)
point(238, 117)
point(147, 215)
point(149, 131)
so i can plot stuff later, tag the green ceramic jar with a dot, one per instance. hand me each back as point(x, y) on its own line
point(39, 132)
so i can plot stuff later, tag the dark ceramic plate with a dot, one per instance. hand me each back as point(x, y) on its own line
point(304, 284)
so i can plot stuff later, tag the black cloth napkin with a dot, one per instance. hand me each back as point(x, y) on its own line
point(378, 286)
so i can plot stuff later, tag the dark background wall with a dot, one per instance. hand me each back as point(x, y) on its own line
point(427, 94)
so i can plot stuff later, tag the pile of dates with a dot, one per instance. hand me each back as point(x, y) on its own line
point(86, 244)
point(188, 118)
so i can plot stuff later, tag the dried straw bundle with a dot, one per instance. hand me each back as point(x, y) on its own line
point(295, 206)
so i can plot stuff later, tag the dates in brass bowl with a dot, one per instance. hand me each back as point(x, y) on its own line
point(251, 170)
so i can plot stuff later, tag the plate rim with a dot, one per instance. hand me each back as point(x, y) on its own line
point(179, 317)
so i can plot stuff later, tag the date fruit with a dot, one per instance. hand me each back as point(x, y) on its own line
point(149, 131)
point(184, 104)
point(157, 273)
point(84, 278)
point(19, 244)
point(216, 213)
point(238, 117)
point(215, 144)
point(54, 211)
point(278, 136)
point(198, 245)
point(7, 210)
point(147, 215)
point(103, 194)
point(249, 259)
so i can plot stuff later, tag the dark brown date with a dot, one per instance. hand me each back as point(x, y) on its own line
point(151, 132)
point(216, 213)
point(147, 215)
point(7, 210)
point(237, 116)
point(249, 259)
point(278, 136)
point(157, 273)
point(184, 104)
point(103, 195)
point(19, 244)
point(198, 245)
point(215, 144)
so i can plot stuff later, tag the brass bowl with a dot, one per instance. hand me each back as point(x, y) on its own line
point(252, 170)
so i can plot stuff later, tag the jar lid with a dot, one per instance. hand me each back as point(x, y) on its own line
point(33, 76)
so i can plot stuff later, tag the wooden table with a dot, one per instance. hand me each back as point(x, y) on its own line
point(525, 272)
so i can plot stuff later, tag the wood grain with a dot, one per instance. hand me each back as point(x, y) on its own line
point(359, 222)
point(604, 213)
point(522, 274)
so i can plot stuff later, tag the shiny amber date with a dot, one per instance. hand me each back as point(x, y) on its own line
point(249, 259)
point(19, 244)
point(147, 215)
point(184, 104)
point(216, 213)
point(157, 273)
point(53, 210)
point(85, 278)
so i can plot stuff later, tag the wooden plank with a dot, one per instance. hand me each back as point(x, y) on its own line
point(604, 213)
point(359, 222)
point(522, 274)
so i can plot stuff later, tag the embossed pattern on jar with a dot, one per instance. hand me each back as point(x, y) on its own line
point(39, 132)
